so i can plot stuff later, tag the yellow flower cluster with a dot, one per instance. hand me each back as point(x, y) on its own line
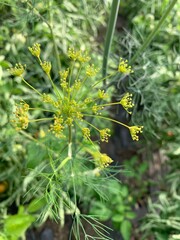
point(57, 127)
point(91, 71)
point(103, 160)
point(104, 134)
point(21, 114)
point(102, 94)
point(46, 66)
point(126, 102)
point(78, 55)
point(124, 68)
point(134, 131)
point(18, 70)
point(35, 50)
point(86, 132)
point(70, 102)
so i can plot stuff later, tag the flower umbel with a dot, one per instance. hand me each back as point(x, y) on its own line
point(91, 71)
point(73, 105)
point(18, 70)
point(21, 121)
point(104, 134)
point(134, 130)
point(86, 132)
point(124, 68)
point(57, 127)
point(35, 50)
point(46, 66)
point(103, 160)
point(126, 102)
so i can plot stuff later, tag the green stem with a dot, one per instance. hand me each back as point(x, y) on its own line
point(70, 143)
point(153, 33)
point(106, 118)
point(56, 91)
point(41, 119)
point(29, 85)
point(53, 38)
point(104, 78)
point(42, 109)
point(51, 31)
point(109, 35)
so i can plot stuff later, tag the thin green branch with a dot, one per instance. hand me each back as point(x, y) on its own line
point(109, 35)
point(153, 33)
point(51, 31)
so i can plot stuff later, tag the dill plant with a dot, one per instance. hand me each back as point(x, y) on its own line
point(69, 111)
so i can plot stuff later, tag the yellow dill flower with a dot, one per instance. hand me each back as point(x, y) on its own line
point(69, 121)
point(35, 50)
point(64, 74)
point(88, 100)
point(91, 71)
point(21, 114)
point(103, 160)
point(46, 98)
point(74, 55)
point(126, 102)
point(46, 66)
point(96, 109)
point(102, 94)
point(18, 70)
point(57, 127)
point(86, 132)
point(104, 134)
point(77, 85)
point(83, 57)
point(124, 68)
point(134, 130)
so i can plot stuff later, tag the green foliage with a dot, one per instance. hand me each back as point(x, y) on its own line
point(116, 207)
point(16, 225)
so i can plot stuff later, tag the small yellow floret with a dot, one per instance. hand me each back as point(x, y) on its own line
point(74, 55)
point(57, 127)
point(134, 130)
point(96, 109)
point(86, 132)
point(91, 71)
point(46, 66)
point(47, 98)
point(126, 102)
point(18, 70)
point(124, 68)
point(103, 160)
point(35, 50)
point(104, 134)
point(21, 114)
point(64, 74)
point(102, 94)
point(83, 57)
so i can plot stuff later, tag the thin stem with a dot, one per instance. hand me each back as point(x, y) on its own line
point(154, 32)
point(51, 30)
point(54, 86)
point(108, 104)
point(41, 119)
point(70, 142)
point(42, 109)
point(53, 37)
point(106, 118)
point(31, 86)
point(109, 35)
point(91, 125)
point(70, 76)
point(102, 79)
